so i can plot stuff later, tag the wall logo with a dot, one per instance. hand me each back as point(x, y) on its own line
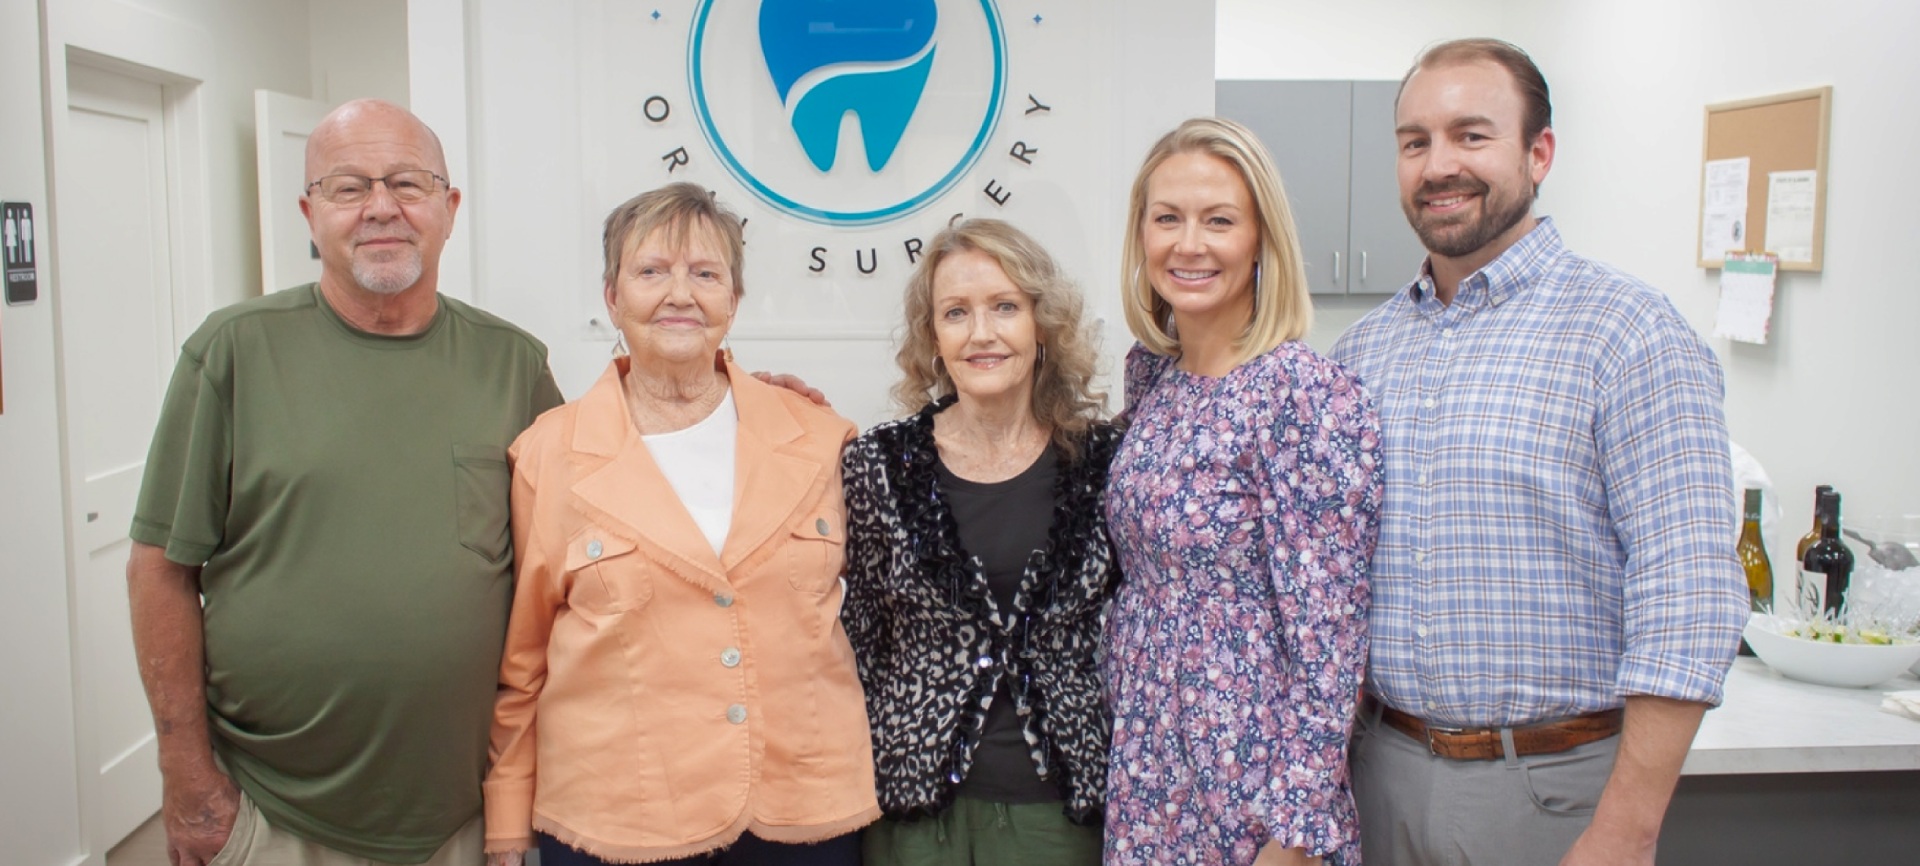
point(785, 92)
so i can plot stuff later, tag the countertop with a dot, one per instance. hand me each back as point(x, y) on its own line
point(1771, 724)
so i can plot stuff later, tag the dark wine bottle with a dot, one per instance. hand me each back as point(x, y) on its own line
point(1827, 566)
point(1753, 560)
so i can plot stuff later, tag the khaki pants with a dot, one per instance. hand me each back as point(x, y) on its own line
point(256, 843)
point(978, 833)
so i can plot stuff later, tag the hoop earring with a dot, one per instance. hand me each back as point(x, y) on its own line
point(619, 344)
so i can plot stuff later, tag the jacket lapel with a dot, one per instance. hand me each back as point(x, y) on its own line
point(771, 479)
point(628, 495)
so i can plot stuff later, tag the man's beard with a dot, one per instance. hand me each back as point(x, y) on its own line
point(1454, 237)
point(389, 277)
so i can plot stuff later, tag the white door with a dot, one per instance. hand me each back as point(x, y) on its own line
point(117, 346)
point(281, 124)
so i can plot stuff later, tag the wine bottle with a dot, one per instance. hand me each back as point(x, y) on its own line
point(1753, 560)
point(1828, 565)
point(1813, 534)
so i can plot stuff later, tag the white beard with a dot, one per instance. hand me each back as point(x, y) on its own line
point(388, 278)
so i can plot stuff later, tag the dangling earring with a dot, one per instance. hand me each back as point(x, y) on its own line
point(1043, 356)
point(938, 366)
point(619, 344)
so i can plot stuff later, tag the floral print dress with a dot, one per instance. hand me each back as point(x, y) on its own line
point(1243, 510)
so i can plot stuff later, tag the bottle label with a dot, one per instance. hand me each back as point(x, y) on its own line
point(1811, 594)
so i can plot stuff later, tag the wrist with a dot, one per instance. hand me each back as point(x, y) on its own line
point(188, 763)
point(1637, 829)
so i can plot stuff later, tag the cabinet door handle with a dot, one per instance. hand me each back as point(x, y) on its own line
point(1336, 267)
point(1363, 266)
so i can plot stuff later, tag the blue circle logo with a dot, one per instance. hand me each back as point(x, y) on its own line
point(847, 112)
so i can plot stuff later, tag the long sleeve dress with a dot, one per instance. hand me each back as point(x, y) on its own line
point(1243, 511)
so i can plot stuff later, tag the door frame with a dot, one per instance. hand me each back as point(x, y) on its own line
point(126, 39)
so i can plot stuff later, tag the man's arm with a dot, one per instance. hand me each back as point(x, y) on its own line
point(198, 801)
point(1653, 745)
point(795, 384)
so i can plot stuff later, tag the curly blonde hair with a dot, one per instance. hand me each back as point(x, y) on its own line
point(1282, 310)
point(1063, 395)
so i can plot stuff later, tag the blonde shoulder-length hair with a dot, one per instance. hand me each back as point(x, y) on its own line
point(1063, 395)
point(1282, 310)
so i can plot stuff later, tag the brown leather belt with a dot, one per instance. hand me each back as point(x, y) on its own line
point(1483, 744)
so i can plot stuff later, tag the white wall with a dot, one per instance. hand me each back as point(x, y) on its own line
point(1630, 81)
point(261, 44)
point(537, 190)
point(359, 49)
point(38, 789)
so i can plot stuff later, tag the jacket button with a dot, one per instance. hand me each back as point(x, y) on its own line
point(723, 600)
point(821, 525)
point(737, 714)
point(594, 549)
point(730, 657)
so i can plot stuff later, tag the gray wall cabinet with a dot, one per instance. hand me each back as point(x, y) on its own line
point(1333, 143)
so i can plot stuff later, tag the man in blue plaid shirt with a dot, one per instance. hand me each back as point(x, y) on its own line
point(1556, 599)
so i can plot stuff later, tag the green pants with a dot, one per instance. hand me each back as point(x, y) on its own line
point(979, 833)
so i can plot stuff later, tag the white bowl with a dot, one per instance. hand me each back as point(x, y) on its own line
point(1829, 664)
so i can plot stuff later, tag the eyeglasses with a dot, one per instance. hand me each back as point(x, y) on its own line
point(406, 187)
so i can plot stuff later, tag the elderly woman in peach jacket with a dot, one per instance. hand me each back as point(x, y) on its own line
point(677, 687)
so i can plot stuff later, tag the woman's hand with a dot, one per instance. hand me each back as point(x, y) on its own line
point(1272, 855)
point(506, 858)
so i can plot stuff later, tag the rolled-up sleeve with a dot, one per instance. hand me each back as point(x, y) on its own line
point(1662, 437)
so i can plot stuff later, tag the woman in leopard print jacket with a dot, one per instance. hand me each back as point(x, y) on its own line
point(978, 566)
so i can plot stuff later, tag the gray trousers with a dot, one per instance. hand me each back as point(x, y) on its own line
point(1419, 810)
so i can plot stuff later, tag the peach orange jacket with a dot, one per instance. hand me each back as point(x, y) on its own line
point(656, 700)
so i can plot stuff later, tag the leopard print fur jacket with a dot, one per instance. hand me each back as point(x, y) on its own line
point(932, 647)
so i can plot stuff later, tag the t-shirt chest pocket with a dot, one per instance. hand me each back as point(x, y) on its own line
point(481, 481)
point(605, 574)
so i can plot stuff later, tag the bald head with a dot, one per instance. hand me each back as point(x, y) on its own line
point(364, 120)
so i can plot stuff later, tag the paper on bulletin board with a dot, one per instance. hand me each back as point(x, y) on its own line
point(1790, 203)
point(1746, 297)
point(1723, 208)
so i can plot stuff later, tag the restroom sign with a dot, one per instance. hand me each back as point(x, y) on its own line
point(17, 228)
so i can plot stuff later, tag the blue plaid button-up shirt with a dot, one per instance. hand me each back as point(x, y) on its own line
point(1555, 534)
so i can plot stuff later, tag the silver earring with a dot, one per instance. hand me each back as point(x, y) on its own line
point(938, 365)
point(1043, 356)
point(619, 344)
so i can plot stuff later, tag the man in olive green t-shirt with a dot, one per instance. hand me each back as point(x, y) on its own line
point(330, 474)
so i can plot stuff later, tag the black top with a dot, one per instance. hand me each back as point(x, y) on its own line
point(1003, 524)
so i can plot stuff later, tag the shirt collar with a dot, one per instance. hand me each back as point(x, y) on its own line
point(1502, 278)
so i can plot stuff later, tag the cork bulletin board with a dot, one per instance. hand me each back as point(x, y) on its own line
point(1783, 142)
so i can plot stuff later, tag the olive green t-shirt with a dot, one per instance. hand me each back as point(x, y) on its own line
point(347, 495)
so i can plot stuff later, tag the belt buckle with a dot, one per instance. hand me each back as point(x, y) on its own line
point(1436, 729)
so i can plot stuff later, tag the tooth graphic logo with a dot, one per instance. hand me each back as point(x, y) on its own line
point(895, 40)
point(786, 92)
